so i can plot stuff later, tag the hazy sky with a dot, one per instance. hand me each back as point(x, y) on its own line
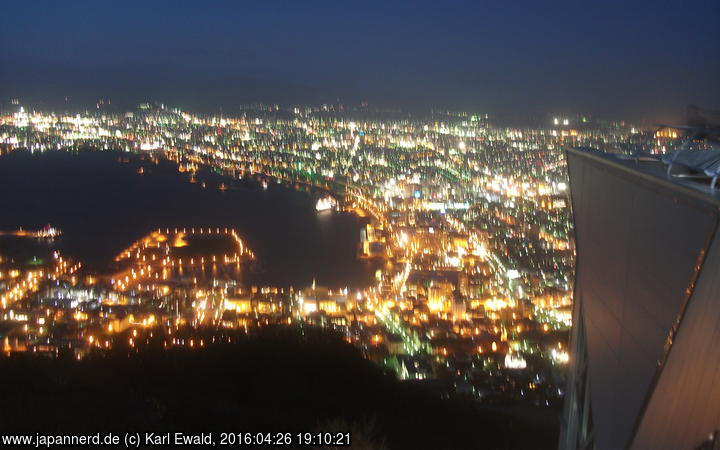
point(630, 59)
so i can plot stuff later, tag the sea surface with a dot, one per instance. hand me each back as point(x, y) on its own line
point(102, 205)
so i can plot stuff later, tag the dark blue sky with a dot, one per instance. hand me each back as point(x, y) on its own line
point(632, 59)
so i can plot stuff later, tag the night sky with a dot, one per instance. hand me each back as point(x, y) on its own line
point(635, 59)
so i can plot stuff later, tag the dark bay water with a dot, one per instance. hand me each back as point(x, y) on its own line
point(103, 205)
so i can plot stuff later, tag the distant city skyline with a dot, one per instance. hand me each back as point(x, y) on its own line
point(639, 61)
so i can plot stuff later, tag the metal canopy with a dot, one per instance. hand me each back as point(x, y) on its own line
point(705, 161)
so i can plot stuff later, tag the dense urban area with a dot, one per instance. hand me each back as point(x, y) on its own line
point(469, 221)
